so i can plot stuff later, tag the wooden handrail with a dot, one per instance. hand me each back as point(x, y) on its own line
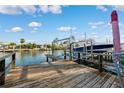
point(100, 57)
point(6, 56)
point(1, 73)
point(3, 68)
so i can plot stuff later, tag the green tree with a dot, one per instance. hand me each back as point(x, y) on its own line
point(22, 41)
point(49, 46)
point(34, 45)
point(29, 45)
point(12, 45)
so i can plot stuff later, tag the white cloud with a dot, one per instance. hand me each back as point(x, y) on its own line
point(13, 10)
point(95, 36)
point(55, 9)
point(29, 9)
point(33, 31)
point(102, 8)
point(35, 24)
point(44, 8)
point(66, 28)
point(17, 9)
point(119, 7)
point(30, 41)
point(93, 33)
point(16, 29)
point(73, 28)
point(95, 25)
point(114, 7)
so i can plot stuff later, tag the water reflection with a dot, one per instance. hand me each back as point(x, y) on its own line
point(25, 58)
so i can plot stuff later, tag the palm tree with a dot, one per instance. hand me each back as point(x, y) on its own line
point(22, 41)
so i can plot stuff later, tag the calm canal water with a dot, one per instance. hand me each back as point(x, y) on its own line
point(26, 58)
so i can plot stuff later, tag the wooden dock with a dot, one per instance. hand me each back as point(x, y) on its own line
point(59, 74)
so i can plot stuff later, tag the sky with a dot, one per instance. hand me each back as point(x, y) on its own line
point(42, 23)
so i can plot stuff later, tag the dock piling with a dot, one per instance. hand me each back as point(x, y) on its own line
point(2, 72)
point(79, 58)
point(64, 54)
point(92, 57)
point(13, 60)
point(70, 50)
point(105, 57)
point(100, 63)
point(47, 59)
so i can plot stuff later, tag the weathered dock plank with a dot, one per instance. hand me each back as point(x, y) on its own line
point(83, 83)
point(114, 85)
point(40, 74)
point(95, 80)
point(75, 81)
point(109, 82)
point(43, 79)
point(60, 74)
point(102, 81)
point(67, 79)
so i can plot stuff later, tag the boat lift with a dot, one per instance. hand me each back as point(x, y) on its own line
point(71, 45)
point(68, 41)
point(86, 53)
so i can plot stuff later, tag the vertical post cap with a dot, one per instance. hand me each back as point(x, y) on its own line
point(114, 16)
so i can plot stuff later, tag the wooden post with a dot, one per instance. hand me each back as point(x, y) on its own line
point(105, 56)
point(92, 57)
point(52, 48)
point(53, 60)
point(14, 60)
point(70, 50)
point(47, 59)
point(2, 72)
point(78, 58)
point(100, 63)
point(108, 56)
point(97, 57)
point(64, 54)
point(13, 56)
point(111, 57)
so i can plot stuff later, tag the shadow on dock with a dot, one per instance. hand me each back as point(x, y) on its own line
point(24, 73)
point(56, 69)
